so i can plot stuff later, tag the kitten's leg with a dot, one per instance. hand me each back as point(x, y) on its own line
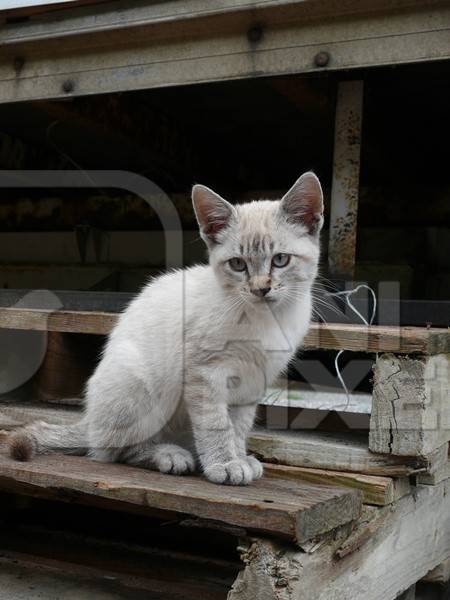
point(166, 458)
point(215, 441)
point(243, 417)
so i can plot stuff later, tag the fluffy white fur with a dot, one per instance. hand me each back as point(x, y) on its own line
point(183, 370)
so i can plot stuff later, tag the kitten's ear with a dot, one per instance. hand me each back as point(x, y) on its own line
point(303, 203)
point(212, 211)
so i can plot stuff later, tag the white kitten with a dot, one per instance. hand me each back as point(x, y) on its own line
point(190, 357)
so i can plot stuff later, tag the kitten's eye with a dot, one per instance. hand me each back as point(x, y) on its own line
point(281, 260)
point(237, 264)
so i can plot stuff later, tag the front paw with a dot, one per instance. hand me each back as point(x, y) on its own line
point(233, 472)
point(255, 466)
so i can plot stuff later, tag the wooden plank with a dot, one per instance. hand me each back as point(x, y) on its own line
point(168, 52)
point(345, 183)
point(298, 512)
point(63, 321)
point(410, 407)
point(294, 395)
point(327, 336)
point(338, 452)
point(412, 537)
point(15, 414)
point(361, 338)
point(312, 449)
point(375, 490)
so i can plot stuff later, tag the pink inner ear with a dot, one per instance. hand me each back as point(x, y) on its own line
point(311, 211)
point(214, 224)
point(213, 212)
point(303, 203)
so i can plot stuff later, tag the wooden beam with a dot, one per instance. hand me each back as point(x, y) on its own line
point(345, 184)
point(410, 404)
point(379, 491)
point(119, 16)
point(290, 510)
point(338, 452)
point(411, 537)
point(172, 43)
point(326, 336)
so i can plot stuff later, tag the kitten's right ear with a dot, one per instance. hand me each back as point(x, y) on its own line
point(212, 211)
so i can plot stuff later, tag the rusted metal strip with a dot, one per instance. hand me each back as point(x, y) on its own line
point(345, 186)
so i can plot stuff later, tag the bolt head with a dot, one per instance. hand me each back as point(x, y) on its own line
point(322, 59)
point(68, 86)
point(18, 63)
point(255, 34)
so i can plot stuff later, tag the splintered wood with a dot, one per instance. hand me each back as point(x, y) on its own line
point(403, 542)
point(411, 408)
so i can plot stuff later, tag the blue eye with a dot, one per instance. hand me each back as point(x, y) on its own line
point(237, 264)
point(281, 260)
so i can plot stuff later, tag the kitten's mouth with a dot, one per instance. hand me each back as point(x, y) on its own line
point(267, 300)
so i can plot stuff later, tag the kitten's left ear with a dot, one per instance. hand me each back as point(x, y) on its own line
point(303, 203)
point(212, 211)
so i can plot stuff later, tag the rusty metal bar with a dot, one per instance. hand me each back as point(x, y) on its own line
point(345, 185)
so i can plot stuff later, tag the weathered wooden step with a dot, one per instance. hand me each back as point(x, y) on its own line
point(327, 336)
point(311, 449)
point(293, 510)
point(375, 489)
point(339, 452)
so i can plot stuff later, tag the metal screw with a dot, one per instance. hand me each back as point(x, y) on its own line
point(18, 63)
point(68, 86)
point(255, 34)
point(321, 59)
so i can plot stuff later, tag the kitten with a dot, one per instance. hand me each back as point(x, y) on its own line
point(188, 360)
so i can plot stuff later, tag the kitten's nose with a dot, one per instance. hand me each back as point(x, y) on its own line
point(261, 292)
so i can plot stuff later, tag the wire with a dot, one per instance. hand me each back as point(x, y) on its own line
point(347, 294)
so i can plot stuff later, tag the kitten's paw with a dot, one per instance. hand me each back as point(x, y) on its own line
point(255, 466)
point(234, 472)
point(174, 460)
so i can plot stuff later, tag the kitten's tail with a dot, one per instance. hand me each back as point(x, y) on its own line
point(44, 438)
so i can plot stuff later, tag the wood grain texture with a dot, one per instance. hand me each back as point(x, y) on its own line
point(63, 320)
point(437, 476)
point(338, 452)
point(412, 537)
point(327, 336)
point(410, 404)
point(297, 511)
point(17, 414)
point(376, 490)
